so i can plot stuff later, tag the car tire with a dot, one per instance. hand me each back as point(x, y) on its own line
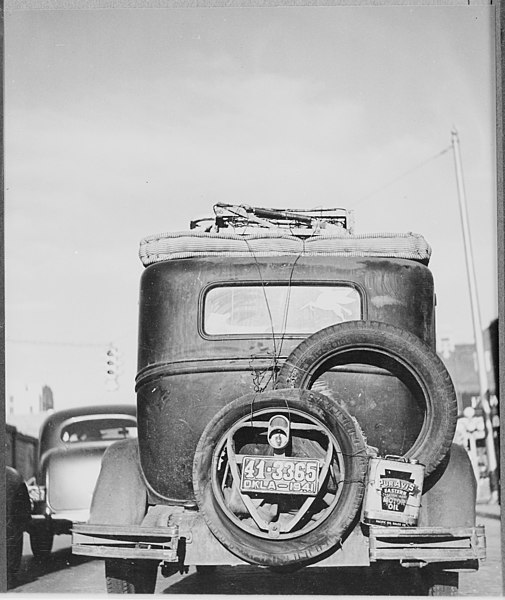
point(338, 499)
point(125, 576)
point(18, 516)
point(442, 583)
point(433, 581)
point(41, 539)
point(385, 346)
point(14, 555)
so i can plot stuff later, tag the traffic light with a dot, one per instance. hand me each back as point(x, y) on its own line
point(112, 370)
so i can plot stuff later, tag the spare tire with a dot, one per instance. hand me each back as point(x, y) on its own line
point(401, 353)
point(297, 506)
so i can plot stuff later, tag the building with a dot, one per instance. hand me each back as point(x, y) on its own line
point(23, 398)
point(461, 362)
point(27, 405)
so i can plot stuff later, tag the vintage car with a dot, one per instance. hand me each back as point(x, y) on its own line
point(71, 445)
point(17, 520)
point(292, 411)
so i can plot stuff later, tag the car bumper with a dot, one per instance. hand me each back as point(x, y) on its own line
point(457, 548)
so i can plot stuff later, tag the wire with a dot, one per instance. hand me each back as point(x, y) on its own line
point(53, 343)
point(263, 287)
point(286, 306)
point(259, 379)
point(389, 183)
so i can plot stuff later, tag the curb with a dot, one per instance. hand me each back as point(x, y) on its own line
point(488, 514)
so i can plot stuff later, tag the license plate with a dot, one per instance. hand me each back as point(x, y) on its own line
point(275, 475)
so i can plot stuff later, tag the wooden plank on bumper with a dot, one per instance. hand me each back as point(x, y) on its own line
point(126, 541)
point(427, 544)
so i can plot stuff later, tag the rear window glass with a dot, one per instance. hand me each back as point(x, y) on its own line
point(284, 309)
point(96, 430)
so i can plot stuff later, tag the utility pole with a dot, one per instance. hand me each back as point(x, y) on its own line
point(477, 326)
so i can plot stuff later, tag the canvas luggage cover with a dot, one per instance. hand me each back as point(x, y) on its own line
point(194, 244)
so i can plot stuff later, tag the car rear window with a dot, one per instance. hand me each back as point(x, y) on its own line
point(96, 430)
point(259, 310)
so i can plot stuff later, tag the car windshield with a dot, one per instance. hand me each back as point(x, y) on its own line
point(95, 430)
point(256, 309)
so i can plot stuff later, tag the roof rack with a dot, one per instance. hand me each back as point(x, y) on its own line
point(301, 221)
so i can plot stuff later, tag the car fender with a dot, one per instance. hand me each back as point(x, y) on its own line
point(451, 493)
point(120, 496)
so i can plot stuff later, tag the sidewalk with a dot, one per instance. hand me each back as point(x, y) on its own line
point(486, 508)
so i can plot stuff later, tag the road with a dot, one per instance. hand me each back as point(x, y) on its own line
point(65, 573)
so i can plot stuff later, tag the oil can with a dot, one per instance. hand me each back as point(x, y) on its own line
point(393, 492)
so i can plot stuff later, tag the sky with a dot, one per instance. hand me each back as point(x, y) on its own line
point(125, 123)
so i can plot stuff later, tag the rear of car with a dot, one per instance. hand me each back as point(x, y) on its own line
point(291, 409)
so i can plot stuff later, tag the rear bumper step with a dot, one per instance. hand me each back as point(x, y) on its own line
point(425, 545)
point(127, 541)
point(411, 546)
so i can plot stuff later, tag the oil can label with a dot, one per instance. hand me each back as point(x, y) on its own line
point(395, 489)
point(393, 492)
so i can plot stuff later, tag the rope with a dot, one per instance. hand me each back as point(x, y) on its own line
point(259, 377)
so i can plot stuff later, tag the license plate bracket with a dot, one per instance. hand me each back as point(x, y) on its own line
point(279, 475)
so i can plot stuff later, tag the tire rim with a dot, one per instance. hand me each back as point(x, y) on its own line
point(276, 516)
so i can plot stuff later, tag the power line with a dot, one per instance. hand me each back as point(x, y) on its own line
point(53, 343)
point(386, 185)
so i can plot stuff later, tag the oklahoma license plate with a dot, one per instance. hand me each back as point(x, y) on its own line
point(279, 475)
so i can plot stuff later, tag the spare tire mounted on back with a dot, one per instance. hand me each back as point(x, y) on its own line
point(286, 505)
point(398, 351)
point(306, 492)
